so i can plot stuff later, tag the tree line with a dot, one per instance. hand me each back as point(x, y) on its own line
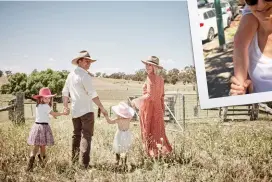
point(186, 76)
point(55, 80)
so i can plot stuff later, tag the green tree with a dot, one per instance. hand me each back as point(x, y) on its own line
point(140, 75)
point(163, 74)
point(174, 79)
point(31, 84)
point(104, 75)
point(173, 76)
point(1, 73)
point(8, 73)
point(17, 83)
point(188, 75)
point(98, 74)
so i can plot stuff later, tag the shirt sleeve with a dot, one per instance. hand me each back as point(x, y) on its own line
point(65, 90)
point(246, 10)
point(88, 86)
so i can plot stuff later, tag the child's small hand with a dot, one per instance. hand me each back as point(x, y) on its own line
point(133, 104)
point(66, 111)
point(108, 119)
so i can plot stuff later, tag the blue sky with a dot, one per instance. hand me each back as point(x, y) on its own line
point(45, 35)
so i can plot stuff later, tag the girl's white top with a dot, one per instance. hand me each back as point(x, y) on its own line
point(246, 10)
point(260, 68)
point(42, 113)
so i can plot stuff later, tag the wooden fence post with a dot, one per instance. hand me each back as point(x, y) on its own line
point(98, 112)
point(183, 104)
point(171, 107)
point(19, 108)
point(55, 107)
point(11, 111)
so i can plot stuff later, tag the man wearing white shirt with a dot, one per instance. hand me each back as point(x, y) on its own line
point(79, 87)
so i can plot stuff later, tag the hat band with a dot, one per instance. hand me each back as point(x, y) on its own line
point(153, 62)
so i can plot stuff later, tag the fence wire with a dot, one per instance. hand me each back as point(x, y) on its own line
point(186, 107)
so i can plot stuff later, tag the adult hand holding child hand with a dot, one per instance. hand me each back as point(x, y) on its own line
point(133, 105)
point(237, 88)
point(66, 111)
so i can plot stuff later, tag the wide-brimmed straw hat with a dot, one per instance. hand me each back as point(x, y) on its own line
point(44, 92)
point(83, 54)
point(123, 110)
point(154, 60)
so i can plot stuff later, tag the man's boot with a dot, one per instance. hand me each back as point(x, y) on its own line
point(117, 159)
point(30, 163)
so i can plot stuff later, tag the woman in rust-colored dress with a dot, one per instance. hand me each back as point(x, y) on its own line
point(151, 107)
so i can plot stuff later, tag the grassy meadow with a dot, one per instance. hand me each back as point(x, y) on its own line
point(204, 152)
point(207, 150)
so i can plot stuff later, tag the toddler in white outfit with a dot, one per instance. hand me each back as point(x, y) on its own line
point(123, 136)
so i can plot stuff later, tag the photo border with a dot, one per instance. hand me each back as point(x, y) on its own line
point(197, 48)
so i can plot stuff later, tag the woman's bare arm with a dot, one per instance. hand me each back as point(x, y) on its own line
point(242, 39)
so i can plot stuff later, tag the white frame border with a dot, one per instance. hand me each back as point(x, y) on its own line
point(197, 48)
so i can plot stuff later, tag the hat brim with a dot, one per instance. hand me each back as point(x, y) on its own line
point(39, 96)
point(146, 62)
point(74, 61)
point(130, 111)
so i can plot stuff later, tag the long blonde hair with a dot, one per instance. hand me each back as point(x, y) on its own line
point(156, 70)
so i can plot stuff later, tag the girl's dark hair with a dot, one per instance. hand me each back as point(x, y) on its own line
point(40, 101)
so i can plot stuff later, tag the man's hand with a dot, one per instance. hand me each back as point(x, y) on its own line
point(237, 88)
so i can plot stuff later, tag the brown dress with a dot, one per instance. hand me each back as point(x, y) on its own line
point(152, 117)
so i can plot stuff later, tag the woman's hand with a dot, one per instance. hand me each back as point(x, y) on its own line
point(237, 88)
point(133, 105)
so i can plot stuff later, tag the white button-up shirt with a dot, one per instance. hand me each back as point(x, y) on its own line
point(79, 85)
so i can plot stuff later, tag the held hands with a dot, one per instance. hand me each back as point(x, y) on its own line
point(107, 119)
point(133, 105)
point(136, 103)
point(237, 88)
point(66, 111)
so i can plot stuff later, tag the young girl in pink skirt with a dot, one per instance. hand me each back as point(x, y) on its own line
point(40, 134)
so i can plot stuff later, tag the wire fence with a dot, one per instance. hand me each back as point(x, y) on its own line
point(185, 107)
point(182, 107)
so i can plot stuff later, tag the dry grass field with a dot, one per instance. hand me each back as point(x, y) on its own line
point(206, 151)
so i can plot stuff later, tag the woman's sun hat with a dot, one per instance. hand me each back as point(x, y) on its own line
point(44, 92)
point(123, 110)
point(154, 60)
point(83, 54)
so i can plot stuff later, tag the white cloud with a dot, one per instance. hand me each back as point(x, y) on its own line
point(26, 56)
point(167, 61)
point(51, 60)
